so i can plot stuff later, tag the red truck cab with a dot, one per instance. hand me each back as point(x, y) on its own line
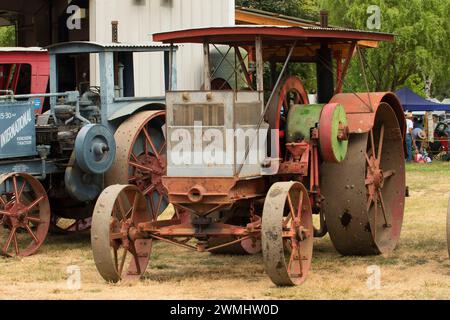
point(25, 71)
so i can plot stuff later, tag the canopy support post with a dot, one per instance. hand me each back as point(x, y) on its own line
point(207, 69)
point(259, 65)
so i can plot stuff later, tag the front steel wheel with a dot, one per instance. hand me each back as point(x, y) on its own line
point(24, 215)
point(117, 213)
point(287, 234)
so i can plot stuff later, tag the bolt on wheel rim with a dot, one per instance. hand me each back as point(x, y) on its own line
point(24, 215)
point(287, 234)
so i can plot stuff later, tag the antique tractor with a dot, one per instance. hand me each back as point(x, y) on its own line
point(54, 165)
point(250, 164)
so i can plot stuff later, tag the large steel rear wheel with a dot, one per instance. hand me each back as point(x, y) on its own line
point(141, 157)
point(365, 193)
point(287, 233)
point(118, 211)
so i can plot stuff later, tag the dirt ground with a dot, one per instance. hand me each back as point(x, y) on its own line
point(418, 269)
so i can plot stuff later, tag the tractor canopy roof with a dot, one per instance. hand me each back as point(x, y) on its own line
point(277, 39)
point(75, 47)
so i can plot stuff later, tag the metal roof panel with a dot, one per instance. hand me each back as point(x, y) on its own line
point(96, 47)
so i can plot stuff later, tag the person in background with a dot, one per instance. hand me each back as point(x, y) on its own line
point(435, 121)
point(418, 136)
point(409, 136)
point(417, 123)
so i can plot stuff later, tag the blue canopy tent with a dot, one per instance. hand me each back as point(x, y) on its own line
point(413, 102)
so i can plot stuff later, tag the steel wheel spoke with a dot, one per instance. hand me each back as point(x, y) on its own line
point(372, 142)
point(8, 241)
point(140, 166)
point(5, 213)
point(122, 261)
point(161, 150)
point(300, 263)
point(375, 205)
point(34, 203)
point(116, 259)
point(286, 221)
point(152, 207)
point(291, 207)
point(121, 207)
point(291, 260)
point(383, 208)
point(149, 189)
point(2, 201)
point(150, 141)
point(22, 188)
point(369, 202)
point(34, 219)
point(367, 159)
point(300, 205)
point(16, 244)
point(295, 253)
point(16, 191)
point(135, 205)
point(132, 179)
point(380, 144)
point(133, 156)
point(27, 227)
point(388, 174)
point(127, 214)
point(116, 236)
point(136, 258)
point(159, 203)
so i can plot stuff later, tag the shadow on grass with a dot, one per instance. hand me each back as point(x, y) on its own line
point(79, 240)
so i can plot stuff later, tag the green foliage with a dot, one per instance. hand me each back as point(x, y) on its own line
point(307, 9)
point(421, 51)
point(416, 84)
point(7, 36)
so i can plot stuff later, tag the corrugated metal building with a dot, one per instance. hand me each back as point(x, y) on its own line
point(138, 19)
point(44, 22)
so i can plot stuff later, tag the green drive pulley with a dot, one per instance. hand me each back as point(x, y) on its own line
point(331, 120)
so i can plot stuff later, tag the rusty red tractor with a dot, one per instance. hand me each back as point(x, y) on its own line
point(341, 158)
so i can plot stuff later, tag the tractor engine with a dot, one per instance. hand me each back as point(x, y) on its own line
point(59, 133)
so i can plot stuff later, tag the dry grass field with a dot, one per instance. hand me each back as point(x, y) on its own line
point(418, 269)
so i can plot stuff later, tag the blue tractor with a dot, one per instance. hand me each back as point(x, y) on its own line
point(53, 165)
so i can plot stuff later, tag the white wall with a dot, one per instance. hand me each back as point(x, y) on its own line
point(138, 21)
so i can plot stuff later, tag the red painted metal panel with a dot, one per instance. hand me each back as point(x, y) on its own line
point(361, 109)
point(40, 69)
point(240, 34)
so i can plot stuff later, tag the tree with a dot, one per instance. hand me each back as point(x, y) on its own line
point(7, 36)
point(420, 56)
point(306, 9)
point(420, 52)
